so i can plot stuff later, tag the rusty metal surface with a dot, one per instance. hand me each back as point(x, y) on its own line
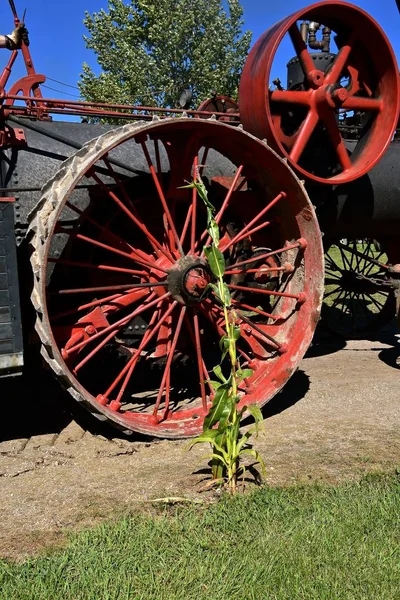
point(11, 350)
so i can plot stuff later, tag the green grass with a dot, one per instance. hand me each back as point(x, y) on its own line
point(311, 542)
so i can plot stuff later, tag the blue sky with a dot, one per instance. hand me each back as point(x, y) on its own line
point(56, 31)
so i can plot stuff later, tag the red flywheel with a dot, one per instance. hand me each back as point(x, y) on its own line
point(127, 319)
point(355, 81)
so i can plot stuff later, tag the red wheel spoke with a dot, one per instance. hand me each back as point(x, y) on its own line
point(299, 244)
point(118, 324)
point(206, 309)
point(134, 359)
point(196, 341)
point(300, 48)
point(157, 153)
point(108, 234)
point(226, 201)
point(95, 350)
point(253, 290)
point(303, 135)
point(249, 225)
point(337, 140)
point(146, 339)
point(107, 288)
point(268, 337)
point(254, 309)
point(166, 375)
point(358, 103)
point(186, 224)
point(194, 209)
point(162, 197)
point(287, 97)
point(154, 243)
point(135, 257)
point(260, 270)
point(247, 234)
point(84, 265)
point(101, 301)
point(203, 161)
point(340, 62)
point(234, 187)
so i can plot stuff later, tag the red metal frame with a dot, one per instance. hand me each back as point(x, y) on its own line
point(27, 89)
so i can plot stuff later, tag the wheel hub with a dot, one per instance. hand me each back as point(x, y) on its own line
point(188, 280)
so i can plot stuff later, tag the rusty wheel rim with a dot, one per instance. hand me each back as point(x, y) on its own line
point(131, 257)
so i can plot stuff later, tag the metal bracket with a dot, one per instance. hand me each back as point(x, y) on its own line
point(10, 137)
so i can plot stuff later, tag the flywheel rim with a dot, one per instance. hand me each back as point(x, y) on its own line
point(324, 98)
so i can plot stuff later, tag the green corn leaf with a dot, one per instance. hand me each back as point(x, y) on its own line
point(213, 230)
point(216, 260)
point(215, 289)
point(257, 456)
point(218, 372)
point(214, 384)
point(227, 415)
point(218, 405)
point(208, 436)
point(224, 343)
point(245, 438)
point(243, 374)
point(235, 332)
point(257, 415)
point(227, 295)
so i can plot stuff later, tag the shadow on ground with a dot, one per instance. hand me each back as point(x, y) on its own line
point(35, 404)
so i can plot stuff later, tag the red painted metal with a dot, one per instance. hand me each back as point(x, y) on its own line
point(196, 281)
point(365, 55)
point(43, 108)
point(221, 104)
point(182, 320)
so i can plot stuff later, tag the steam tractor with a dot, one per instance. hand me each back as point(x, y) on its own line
point(97, 223)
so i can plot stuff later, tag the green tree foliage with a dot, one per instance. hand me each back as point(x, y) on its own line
point(150, 50)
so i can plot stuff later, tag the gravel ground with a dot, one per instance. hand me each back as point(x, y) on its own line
point(337, 419)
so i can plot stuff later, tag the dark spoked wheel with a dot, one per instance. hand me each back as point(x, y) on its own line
point(125, 313)
point(357, 300)
point(359, 80)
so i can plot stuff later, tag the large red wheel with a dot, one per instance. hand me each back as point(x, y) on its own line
point(360, 85)
point(125, 314)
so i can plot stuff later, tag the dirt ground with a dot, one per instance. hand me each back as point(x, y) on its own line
point(337, 419)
